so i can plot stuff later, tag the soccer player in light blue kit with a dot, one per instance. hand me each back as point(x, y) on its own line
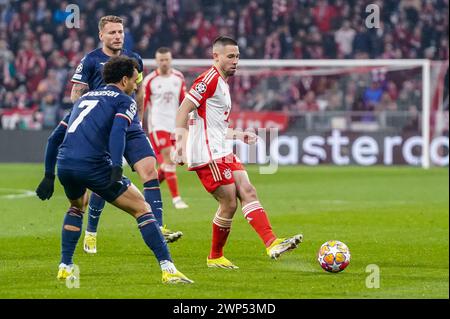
point(90, 157)
point(138, 151)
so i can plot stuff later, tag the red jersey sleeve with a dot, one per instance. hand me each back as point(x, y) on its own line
point(183, 85)
point(148, 89)
point(204, 87)
point(182, 91)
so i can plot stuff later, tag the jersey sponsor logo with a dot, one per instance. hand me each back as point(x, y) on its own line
point(79, 68)
point(201, 87)
point(102, 93)
point(227, 173)
point(168, 96)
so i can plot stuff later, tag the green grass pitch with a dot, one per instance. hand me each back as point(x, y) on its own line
point(394, 217)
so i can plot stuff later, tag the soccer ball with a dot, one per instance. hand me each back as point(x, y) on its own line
point(333, 256)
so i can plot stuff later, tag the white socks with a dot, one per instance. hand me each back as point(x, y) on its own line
point(167, 265)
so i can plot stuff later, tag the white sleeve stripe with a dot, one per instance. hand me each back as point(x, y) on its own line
point(74, 81)
point(208, 74)
point(210, 77)
point(195, 94)
point(193, 100)
point(124, 116)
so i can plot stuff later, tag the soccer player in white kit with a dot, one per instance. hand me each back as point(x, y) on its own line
point(208, 151)
point(164, 90)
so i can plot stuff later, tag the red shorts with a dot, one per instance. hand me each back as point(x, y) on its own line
point(161, 140)
point(219, 172)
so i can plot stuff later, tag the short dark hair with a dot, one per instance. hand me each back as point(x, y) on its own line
point(118, 67)
point(163, 50)
point(224, 40)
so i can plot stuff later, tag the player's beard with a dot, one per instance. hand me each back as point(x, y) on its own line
point(231, 72)
point(115, 49)
point(164, 69)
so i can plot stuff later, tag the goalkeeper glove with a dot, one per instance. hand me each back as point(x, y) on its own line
point(45, 189)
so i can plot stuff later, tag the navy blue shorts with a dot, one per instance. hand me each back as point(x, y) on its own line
point(75, 183)
point(137, 146)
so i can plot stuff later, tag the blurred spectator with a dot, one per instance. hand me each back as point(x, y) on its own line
point(372, 95)
point(49, 109)
point(308, 103)
point(206, 33)
point(323, 14)
point(344, 39)
point(412, 123)
point(408, 96)
point(272, 47)
point(60, 14)
point(50, 85)
point(334, 97)
point(362, 43)
point(38, 53)
point(387, 103)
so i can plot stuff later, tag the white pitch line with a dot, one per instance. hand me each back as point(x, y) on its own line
point(20, 193)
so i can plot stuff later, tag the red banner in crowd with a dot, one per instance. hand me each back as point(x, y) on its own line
point(250, 119)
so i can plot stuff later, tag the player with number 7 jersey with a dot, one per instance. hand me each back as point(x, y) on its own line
point(86, 142)
point(138, 151)
point(90, 157)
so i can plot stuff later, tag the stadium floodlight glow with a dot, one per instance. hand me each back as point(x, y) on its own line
point(424, 64)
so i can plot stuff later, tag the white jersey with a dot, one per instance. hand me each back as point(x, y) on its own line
point(163, 95)
point(208, 124)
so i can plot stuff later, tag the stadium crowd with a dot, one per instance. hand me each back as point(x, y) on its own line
point(38, 52)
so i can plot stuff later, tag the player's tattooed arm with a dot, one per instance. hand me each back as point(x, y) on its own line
point(146, 121)
point(78, 89)
point(140, 101)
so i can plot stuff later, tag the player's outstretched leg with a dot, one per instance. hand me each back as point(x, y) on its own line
point(152, 194)
point(133, 203)
point(154, 239)
point(282, 245)
point(70, 235)
point(96, 205)
point(258, 219)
